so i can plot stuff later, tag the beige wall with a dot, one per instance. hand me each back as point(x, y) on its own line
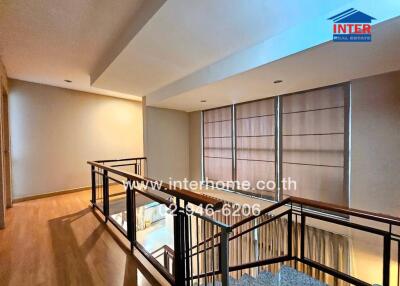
point(3, 75)
point(54, 131)
point(167, 143)
point(3, 84)
point(375, 151)
point(375, 167)
point(195, 145)
point(375, 136)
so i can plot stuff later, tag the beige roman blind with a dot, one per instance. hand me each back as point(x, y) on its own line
point(217, 144)
point(313, 143)
point(255, 144)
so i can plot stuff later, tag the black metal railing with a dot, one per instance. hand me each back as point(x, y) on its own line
point(118, 193)
point(205, 249)
point(291, 217)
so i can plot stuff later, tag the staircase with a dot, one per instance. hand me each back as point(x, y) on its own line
point(287, 276)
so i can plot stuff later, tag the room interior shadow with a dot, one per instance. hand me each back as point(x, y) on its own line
point(133, 267)
point(135, 272)
point(71, 267)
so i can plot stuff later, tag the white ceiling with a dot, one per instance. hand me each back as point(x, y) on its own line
point(178, 52)
point(48, 41)
point(187, 35)
point(326, 64)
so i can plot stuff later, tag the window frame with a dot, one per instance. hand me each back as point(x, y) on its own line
point(278, 141)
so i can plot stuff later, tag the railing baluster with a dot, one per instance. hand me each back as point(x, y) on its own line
point(190, 248)
point(198, 250)
point(93, 177)
point(130, 214)
point(105, 195)
point(136, 168)
point(224, 257)
point(302, 233)
point(205, 252)
point(212, 254)
point(398, 263)
point(186, 239)
point(386, 259)
point(290, 234)
point(166, 259)
point(296, 239)
point(179, 265)
point(241, 251)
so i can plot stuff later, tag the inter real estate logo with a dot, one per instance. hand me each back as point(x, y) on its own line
point(352, 26)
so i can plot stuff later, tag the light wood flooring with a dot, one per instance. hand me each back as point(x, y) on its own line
point(60, 241)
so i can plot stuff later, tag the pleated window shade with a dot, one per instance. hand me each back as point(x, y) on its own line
point(313, 143)
point(217, 127)
point(255, 144)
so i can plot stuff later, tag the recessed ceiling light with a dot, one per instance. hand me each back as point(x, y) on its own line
point(203, 101)
point(67, 80)
point(278, 81)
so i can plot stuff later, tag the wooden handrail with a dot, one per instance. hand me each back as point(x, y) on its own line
point(327, 207)
point(200, 199)
point(120, 160)
point(347, 211)
point(264, 211)
point(164, 247)
point(191, 197)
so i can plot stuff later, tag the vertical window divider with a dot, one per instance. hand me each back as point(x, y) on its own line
point(278, 149)
point(202, 147)
point(347, 143)
point(234, 151)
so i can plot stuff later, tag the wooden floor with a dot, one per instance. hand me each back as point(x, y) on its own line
point(61, 241)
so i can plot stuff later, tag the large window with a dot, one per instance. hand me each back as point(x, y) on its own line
point(217, 143)
point(255, 143)
point(313, 143)
point(303, 136)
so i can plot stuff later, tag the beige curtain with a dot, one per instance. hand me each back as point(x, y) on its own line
point(313, 125)
point(255, 143)
point(270, 241)
point(217, 126)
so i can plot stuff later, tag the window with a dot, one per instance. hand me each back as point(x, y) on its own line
point(306, 131)
point(255, 143)
point(217, 144)
point(313, 143)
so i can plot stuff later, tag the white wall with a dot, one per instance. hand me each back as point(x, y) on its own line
point(167, 143)
point(54, 131)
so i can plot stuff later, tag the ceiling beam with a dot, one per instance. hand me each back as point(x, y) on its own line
point(296, 39)
point(146, 11)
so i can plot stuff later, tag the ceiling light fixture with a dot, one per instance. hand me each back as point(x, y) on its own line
point(278, 81)
point(67, 80)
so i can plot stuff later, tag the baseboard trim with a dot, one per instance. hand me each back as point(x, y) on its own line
point(52, 194)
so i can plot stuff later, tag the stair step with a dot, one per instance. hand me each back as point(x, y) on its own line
point(287, 276)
